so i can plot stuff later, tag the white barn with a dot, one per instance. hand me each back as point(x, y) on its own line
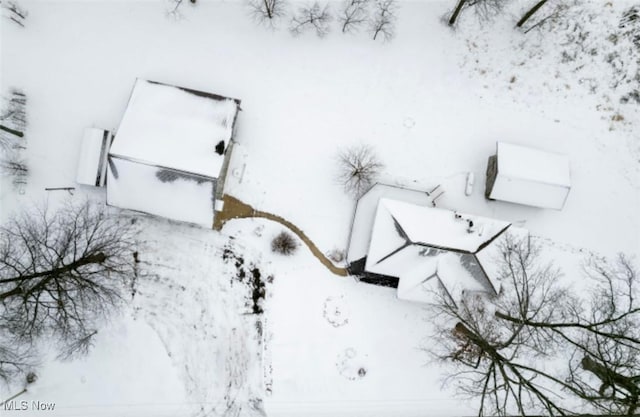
point(532, 177)
point(170, 151)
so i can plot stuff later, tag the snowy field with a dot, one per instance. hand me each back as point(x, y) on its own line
point(432, 102)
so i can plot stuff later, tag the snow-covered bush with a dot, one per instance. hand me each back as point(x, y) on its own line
point(336, 255)
point(359, 167)
point(284, 243)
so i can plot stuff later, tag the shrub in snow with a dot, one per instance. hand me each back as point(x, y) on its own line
point(359, 167)
point(284, 243)
point(31, 377)
point(336, 255)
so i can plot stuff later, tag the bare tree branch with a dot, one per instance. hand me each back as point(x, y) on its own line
point(358, 168)
point(15, 359)
point(502, 346)
point(384, 20)
point(62, 271)
point(353, 15)
point(533, 10)
point(13, 119)
point(484, 9)
point(314, 17)
point(14, 12)
point(267, 11)
point(13, 122)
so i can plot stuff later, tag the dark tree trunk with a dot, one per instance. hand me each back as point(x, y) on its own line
point(456, 12)
point(12, 131)
point(481, 343)
point(530, 13)
point(610, 378)
point(267, 9)
point(12, 293)
point(92, 259)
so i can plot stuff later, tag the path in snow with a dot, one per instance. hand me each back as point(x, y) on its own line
point(236, 209)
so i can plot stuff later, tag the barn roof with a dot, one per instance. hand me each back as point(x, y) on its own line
point(169, 151)
point(176, 128)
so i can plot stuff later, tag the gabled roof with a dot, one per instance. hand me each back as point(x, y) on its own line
point(397, 223)
point(522, 162)
point(429, 248)
point(529, 176)
point(168, 152)
point(365, 212)
point(176, 128)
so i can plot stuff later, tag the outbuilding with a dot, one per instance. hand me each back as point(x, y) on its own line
point(523, 175)
point(171, 151)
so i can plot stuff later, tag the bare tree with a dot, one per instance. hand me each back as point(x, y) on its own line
point(62, 271)
point(460, 5)
point(358, 168)
point(314, 17)
point(384, 20)
point(13, 122)
point(284, 243)
point(14, 12)
point(502, 348)
point(530, 12)
point(14, 165)
point(78, 347)
point(13, 119)
point(15, 358)
point(606, 335)
point(267, 11)
point(485, 9)
point(353, 15)
point(174, 6)
point(488, 354)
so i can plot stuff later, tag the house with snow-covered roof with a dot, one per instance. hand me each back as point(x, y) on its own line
point(399, 239)
point(171, 151)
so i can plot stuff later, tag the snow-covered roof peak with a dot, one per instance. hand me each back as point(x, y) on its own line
point(430, 248)
point(442, 228)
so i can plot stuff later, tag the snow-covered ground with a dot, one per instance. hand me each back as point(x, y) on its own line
point(432, 102)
